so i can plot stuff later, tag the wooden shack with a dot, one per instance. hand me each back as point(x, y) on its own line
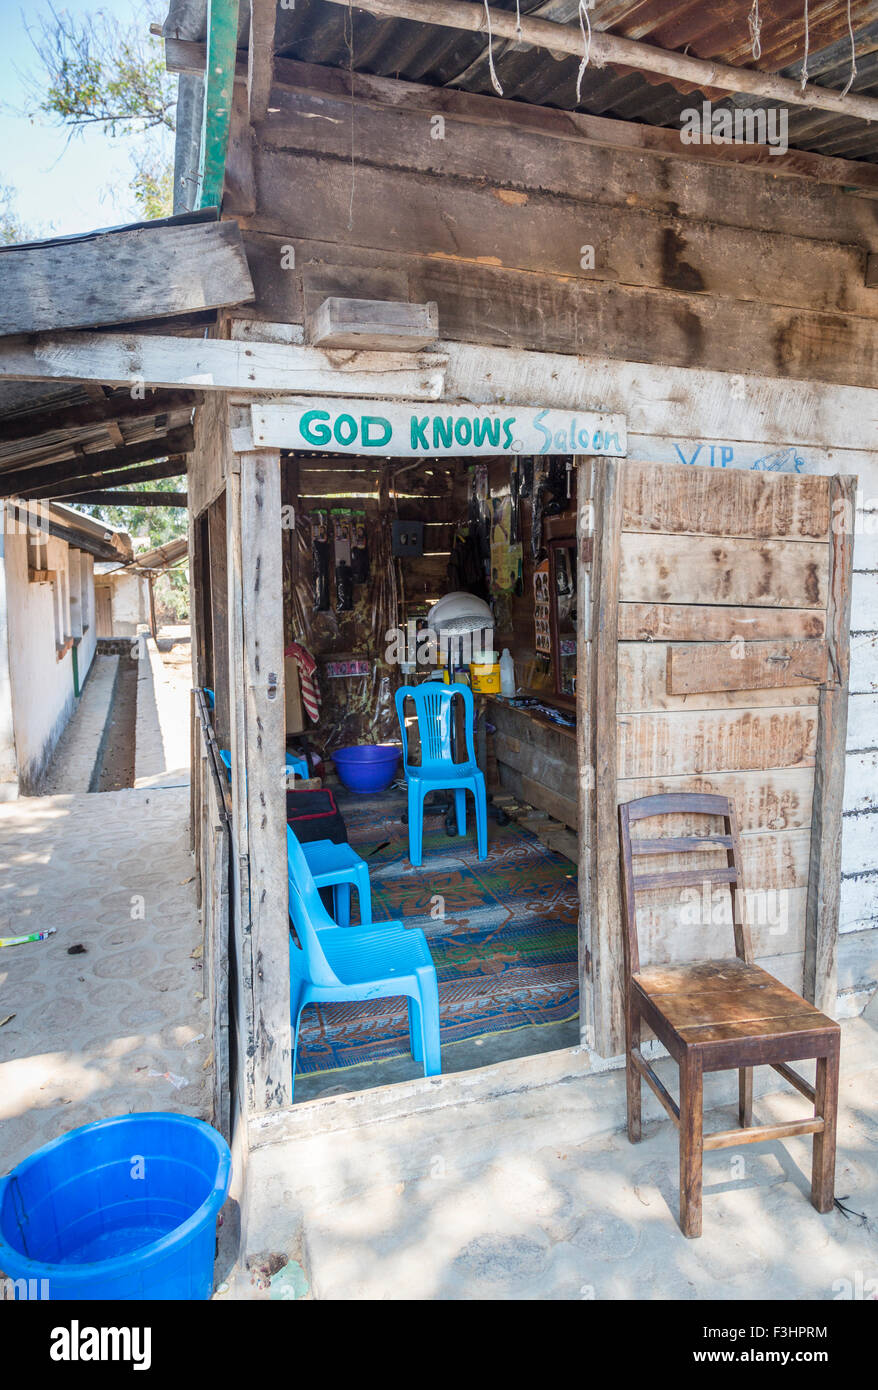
point(457, 265)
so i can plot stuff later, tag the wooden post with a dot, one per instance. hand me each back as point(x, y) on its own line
point(219, 590)
point(584, 763)
point(824, 869)
point(256, 688)
point(608, 973)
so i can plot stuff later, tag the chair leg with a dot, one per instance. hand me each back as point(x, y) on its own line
point(364, 893)
point(415, 1031)
point(341, 902)
point(429, 1010)
point(295, 1052)
point(823, 1159)
point(480, 798)
point(632, 1075)
point(691, 1142)
point(460, 810)
point(745, 1097)
point(416, 824)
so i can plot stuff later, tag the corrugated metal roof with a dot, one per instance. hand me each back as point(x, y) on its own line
point(318, 32)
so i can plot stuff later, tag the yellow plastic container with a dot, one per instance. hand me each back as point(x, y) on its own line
point(485, 677)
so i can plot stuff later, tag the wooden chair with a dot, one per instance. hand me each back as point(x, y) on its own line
point(717, 1014)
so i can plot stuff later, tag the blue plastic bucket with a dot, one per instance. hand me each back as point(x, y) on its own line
point(367, 767)
point(123, 1208)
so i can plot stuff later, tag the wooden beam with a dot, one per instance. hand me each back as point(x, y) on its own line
point(608, 48)
point(475, 109)
point(759, 1134)
point(172, 468)
point(119, 408)
point(824, 873)
point(14, 483)
point(260, 57)
point(381, 325)
point(854, 176)
point(535, 231)
point(214, 364)
point(577, 317)
point(121, 276)
point(131, 499)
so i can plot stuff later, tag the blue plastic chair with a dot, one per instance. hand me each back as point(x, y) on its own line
point(337, 867)
point(383, 961)
point(299, 765)
point(434, 707)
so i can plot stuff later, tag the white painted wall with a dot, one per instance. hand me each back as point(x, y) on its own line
point(42, 685)
point(130, 603)
point(89, 641)
point(8, 764)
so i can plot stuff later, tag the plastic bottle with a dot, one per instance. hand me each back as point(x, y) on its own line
point(507, 674)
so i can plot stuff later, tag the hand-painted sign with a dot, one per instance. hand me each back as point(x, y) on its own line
point(412, 429)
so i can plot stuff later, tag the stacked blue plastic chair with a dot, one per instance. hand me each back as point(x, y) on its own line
point(333, 866)
point(329, 965)
point(338, 867)
point(434, 707)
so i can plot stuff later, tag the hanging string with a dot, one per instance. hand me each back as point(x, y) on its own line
point(495, 81)
point(807, 45)
point(518, 19)
point(754, 22)
point(850, 81)
point(584, 22)
point(349, 36)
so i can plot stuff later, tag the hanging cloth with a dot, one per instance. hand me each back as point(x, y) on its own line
point(307, 679)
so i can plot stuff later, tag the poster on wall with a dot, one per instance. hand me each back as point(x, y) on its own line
point(506, 555)
point(542, 620)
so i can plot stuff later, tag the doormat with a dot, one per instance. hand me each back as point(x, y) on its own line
point(502, 934)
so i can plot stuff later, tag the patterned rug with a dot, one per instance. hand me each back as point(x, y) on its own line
point(502, 933)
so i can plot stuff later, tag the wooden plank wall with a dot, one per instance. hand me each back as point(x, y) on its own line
point(692, 265)
point(755, 284)
point(858, 924)
point(723, 582)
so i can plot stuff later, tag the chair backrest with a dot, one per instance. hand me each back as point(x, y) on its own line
point(687, 804)
point(308, 914)
point(434, 708)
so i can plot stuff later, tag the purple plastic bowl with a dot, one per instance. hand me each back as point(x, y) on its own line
point(367, 767)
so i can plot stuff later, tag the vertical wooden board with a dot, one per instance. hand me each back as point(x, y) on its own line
point(584, 750)
point(668, 744)
point(608, 966)
point(240, 900)
point(675, 500)
point(219, 599)
point(704, 569)
point(264, 732)
point(643, 684)
point(824, 890)
point(701, 622)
